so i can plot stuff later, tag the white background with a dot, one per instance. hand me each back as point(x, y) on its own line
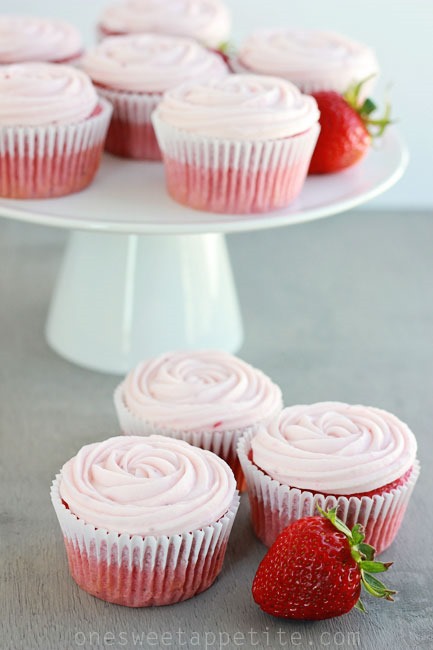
point(401, 31)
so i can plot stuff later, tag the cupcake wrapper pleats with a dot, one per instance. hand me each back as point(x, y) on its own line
point(143, 571)
point(234, 176)
point(54, 160)
point(131, 133)
point(274, 506)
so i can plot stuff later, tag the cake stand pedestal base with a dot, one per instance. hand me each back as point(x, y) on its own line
point(121, 298)
point(157, 280)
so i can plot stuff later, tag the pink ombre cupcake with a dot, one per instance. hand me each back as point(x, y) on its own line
point(52, 130)
point(207, 397)
point(133, 72)
point(207, 21)
point(358, 458)
point(313, 60)
point(30, 38)
point(146, 521)
point(242, 144)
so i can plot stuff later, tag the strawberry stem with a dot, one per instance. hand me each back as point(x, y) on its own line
point(363, 554)
point(227, 48)
point(360, 605)
point(368, 107)
point(375, 127)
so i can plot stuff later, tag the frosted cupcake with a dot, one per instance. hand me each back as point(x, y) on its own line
point(207, 21)
point(133, 72)
point(29, 38)
point(52, 130)
point(145, 521)
point(313, 60)
point(358, 458)
point(238, 145)
point(208, 398)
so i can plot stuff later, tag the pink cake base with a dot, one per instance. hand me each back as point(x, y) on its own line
point(233, 461)
point(143, 587)
point(45, 177)
point(132, 140)
point(51, 161)
point(233, 190)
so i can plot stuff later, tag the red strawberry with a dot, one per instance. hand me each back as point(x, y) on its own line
point(315, 569)
point(346, 129)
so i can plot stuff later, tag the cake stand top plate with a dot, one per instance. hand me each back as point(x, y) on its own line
point(129, 197)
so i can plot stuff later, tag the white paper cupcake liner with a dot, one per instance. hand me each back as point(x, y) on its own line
point(223, 442)
point(143, 571)
point(215, 153)
point(53, 160)
point(274, 506)
point(131, 107)
point(234, 176)
point(131, 133)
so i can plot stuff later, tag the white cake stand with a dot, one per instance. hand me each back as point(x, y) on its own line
point(141, 274)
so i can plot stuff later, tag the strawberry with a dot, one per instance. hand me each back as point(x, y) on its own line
point(315, 570)
point(347, 128)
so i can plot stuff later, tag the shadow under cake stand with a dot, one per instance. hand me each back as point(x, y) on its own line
point(142, 274)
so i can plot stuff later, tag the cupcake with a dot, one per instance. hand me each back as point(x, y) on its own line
point(52, 130)
point(358, 458)
point(145, 521)
point(207, 397)
point(207, 21)
point(29, 38)
point(133, 72)
point(240, 144)
point(313, 60)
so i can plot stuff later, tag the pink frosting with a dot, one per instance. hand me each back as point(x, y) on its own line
point(203, 390)
point(205, 20)
point(37, 94)
point(308, 56)
point(240, 107)
point(335, 448)
point(147, 486)
point(150, 62)
point(29, 38)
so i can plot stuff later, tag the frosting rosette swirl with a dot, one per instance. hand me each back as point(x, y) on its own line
point(150, 62)
point(240, 107)
point(205, 20)
point(335, 448)
point(201, 390)
point(147, 486)
point(38, 94)
point(302, 55)
point(29, 38)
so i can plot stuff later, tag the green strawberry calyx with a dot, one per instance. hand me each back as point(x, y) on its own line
point(227, 47)
point(365, 109)
point(363, 554)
